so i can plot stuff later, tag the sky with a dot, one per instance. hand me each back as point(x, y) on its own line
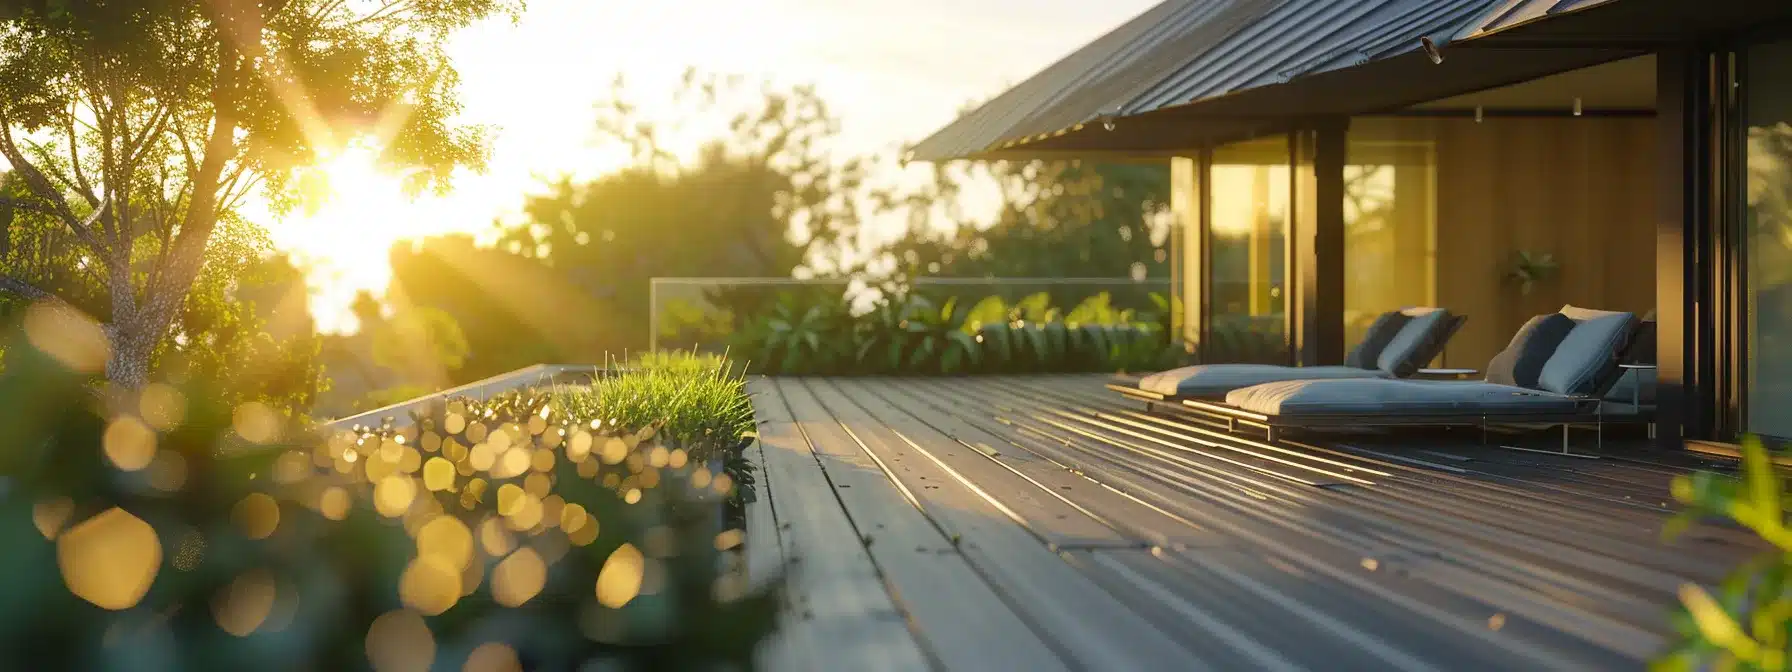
point(893, 71)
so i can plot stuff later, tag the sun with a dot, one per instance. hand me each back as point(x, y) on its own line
point(354, 212)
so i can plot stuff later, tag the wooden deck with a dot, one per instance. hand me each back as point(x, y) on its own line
point(1044, 523)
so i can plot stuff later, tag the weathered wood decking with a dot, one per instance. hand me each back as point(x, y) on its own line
point(1043, 523)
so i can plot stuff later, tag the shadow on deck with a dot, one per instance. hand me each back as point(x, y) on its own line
point(1043, 523)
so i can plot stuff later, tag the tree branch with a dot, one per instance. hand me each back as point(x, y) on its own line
point(166, 293)
point(386, 11)
point(24, 290)
point(39, 184)
point(135, 149)
point(74, 159)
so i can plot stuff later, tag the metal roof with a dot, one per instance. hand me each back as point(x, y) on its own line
point(1512, 13)
point(1183, 51)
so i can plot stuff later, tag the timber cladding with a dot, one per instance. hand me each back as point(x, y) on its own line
point(1578, 188)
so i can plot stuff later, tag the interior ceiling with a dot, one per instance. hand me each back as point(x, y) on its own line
point(1628, 84)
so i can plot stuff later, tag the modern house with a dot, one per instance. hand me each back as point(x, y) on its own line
point(1497, 157)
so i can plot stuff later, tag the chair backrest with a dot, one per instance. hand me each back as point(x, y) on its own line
point(1436, 345)
point(1586, 362)
point(1417, 342)
point(1375, 339)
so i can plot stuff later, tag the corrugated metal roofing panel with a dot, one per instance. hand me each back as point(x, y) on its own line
point(1511, 13)
point(1184, 51)
point(1305, 37)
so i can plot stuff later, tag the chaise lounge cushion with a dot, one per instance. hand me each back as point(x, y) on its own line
point(1588, 353)
point(1523, 359)
point(1376, 339)
point(1394, 398)
point(1407, 351)
point(1215, 380)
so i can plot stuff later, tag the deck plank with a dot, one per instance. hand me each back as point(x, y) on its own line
point(1025, 485)
point(837, 607)
point(1095, 630)
point(763, 551)
point(1310, 526)
point(959, 617)
point(1023, 453)
point(1233, 553)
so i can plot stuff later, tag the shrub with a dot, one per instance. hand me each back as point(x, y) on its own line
point(159, 529)
point(915, 334)
point(692, 403)
point(1747, 624)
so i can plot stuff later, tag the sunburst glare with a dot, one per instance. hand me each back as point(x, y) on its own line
point(355, 210)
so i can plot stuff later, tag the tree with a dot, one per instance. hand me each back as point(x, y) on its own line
point(1058, 219)
point(244, 322)
point(760, 197)
point(136, 128)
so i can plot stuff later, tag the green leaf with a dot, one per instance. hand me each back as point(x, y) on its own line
point(1763, 482)
point(1037, 341)
point(923, 352)
point(967, 344)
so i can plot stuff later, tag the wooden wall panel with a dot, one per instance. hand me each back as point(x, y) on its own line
point(1577, 188)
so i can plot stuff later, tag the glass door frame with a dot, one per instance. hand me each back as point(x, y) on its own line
point(1729, 247)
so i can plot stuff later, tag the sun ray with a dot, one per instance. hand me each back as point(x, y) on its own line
point(564, 315)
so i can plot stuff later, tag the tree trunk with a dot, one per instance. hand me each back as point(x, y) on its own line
point(128, 365)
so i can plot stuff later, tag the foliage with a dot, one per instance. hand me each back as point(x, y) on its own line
point(911, 333)
point(1529, 268)
point(1058, 219)
point(693, 403)
point(205, 536)
point(244, 323)
point(759, 198)
point(1748, 624)
point(136, 129)
point(1245, 339)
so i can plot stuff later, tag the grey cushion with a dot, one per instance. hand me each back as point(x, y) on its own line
point(1376, 339)
point(1391, 397)
point(1215, 380)
point(1523, 359)
point(1418, 336)
point(1589, 354)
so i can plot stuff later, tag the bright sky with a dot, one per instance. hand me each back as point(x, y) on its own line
point(892, 70)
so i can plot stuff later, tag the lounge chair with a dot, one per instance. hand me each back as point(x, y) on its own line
point(1558, 369)
point(1396, 345)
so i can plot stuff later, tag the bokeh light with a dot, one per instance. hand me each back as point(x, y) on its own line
point(246, 603)
point(493, 657)
point(519, 578)
point(162, 406)
point(129, 443)
point(110, 559)
point(430, 585)
point(256, 422)
point(620, 580)
point(400, 641)
point(258, 515)
point(67, 336)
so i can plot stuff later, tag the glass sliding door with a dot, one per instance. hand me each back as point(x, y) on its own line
point(1390, 224)
point(1185, 209)
point(1250, 188)
point(1767, 235)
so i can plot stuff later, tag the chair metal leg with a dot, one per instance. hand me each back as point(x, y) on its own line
point(1564, 452)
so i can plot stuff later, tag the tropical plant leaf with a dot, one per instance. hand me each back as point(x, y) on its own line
point(991, 310)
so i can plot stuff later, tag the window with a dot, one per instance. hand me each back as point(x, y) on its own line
point(1768, 237)
point(1250, 193)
